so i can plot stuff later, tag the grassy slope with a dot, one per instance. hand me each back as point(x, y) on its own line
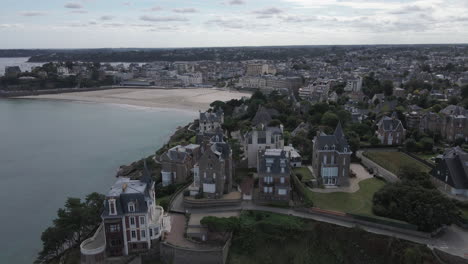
point(359, 202)
point(392, 161)
point(262, 240)
point(305, 172)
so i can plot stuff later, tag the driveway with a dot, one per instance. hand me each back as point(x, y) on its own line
point(361, 174)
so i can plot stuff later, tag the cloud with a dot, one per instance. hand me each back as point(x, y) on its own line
point(9, 26)
point(154, 9)
point(226, 23)
point(73, 5)
point(32, 13)
point(297, 19)
point(127, 3)
point(79, 12)
point(269, 11)
point(163, 19)
point(106, 18)
point(409, 10)
point(184, 10)
point(236, 2)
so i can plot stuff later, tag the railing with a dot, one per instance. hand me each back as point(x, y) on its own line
point(87, 247)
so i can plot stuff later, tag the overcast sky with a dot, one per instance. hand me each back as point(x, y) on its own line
point(184, 23)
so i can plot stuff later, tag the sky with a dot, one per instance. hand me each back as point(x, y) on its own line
point(215, 23)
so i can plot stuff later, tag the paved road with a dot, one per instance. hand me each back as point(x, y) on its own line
point(454, 240)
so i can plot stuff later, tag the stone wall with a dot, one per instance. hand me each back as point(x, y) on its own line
point(176, 255)
point(209, 203)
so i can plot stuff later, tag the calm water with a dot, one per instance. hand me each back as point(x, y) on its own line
point(50, 150)
point(21, 62)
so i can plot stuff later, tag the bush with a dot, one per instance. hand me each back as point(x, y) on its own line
point(164, 203)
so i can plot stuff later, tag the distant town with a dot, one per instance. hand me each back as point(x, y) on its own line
point(363, 145)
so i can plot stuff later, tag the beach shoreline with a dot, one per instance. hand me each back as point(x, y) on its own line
point(187, 100)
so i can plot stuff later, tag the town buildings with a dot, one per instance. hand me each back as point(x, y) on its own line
point(331, 158)
point(210, 121)
point(390, 130)
point(177, 163)
point(261, 138)
point(451, 171)
point(274, 175)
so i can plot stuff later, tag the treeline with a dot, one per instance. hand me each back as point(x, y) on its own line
point(187, 54)
point(73, 224)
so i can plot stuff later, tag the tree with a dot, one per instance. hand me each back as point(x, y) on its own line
point(387, 87)
point(374, 141)
point(236, 148)
point(464, 91)
point(75, 220)
point(329, 119)
point(426, 208)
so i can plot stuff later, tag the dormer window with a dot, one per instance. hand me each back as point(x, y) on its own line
point(112, 209)
point(131, 207)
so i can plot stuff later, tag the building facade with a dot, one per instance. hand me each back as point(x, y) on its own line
point(211, 121)
point(331, 158)
point(451, 171)
point(390, 131)
point(131, 221)
point(177, 163)
point(274, 175)
point(262, 138)
point(213, 172)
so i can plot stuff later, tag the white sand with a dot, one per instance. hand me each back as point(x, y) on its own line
point(184, 99)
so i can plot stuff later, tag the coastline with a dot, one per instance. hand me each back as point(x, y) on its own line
point(187, 100)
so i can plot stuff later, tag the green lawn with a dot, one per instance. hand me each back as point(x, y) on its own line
point(359, 202)
point(305, 173)
point(393, 161)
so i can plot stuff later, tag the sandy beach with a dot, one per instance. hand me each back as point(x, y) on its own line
point(183, 99)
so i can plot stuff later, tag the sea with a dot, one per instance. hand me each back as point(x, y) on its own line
point(51, 150)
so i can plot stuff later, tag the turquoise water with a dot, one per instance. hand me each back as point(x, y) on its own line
point(50, 150)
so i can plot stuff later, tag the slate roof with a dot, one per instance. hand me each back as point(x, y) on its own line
point(222, 149)
point(125, 191)
point(273, 157)
point(264, 116)
point(338, 140)
point(390, 123)
point(211, 116)
point(456, 161)
point(454, 110)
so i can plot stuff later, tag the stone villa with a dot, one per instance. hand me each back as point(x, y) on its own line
point(390, 131)
point(213, 172)
point(131, 221)
point(331, 158)
point(177, 163)
point(211, 121)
